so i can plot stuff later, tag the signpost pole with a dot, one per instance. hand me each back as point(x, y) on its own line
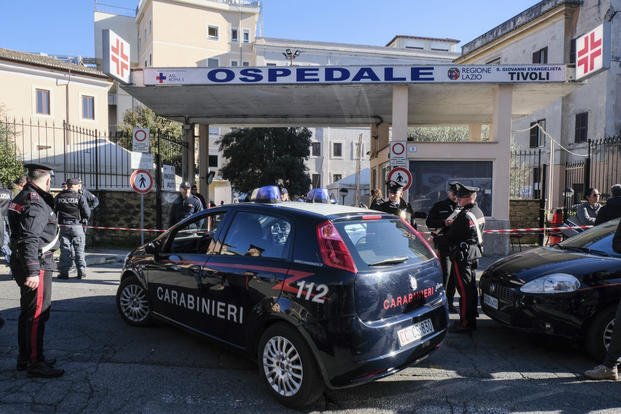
point(141, 219)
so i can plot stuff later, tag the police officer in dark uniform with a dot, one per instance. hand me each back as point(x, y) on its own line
point(5, 199)
point(395, 204)
point(185, 205)
point(34, 237)
point(440, 217)
point(73, 213)
point(465, 240)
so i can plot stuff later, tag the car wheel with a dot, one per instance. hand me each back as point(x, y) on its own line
point(288, 367)
point(599, 333)
point(133, 303)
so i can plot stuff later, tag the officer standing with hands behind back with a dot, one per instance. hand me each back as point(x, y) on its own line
point(465, 240)
point(73, 213)
point(34, 237)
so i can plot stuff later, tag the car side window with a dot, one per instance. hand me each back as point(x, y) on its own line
point(196, 236)
point(252, 234)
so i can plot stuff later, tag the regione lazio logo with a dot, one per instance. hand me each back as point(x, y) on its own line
point(116, 56)
point(590, 52)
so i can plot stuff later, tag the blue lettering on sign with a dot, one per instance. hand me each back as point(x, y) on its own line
point(390, 76)
point(336, 74)
point(229, 75)
point(307, 75)
point(274, 74)
point(365, 73)
point(251, 75)
point(421, 74)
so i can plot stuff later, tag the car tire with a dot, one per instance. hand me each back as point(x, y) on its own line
point(599, 333)
point(288, 368)
point(133, 303)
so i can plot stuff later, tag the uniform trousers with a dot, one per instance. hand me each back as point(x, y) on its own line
point(72, 243)
point(448, 275)
point(35, 311)
point(466, 282)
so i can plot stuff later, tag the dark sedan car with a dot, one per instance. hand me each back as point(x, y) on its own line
point(316, 293)
point(570, 289)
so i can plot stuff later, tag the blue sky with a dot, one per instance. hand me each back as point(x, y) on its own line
point(66, 26)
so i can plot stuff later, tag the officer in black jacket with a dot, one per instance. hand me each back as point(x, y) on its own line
point(5, 199)
point(73, 213)
point(440, 217)
point(34, 237)
point(465, 240)
point(185, 205)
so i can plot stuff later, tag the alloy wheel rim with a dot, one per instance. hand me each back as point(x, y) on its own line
point(608, 333)
point(134, 303)
point(283, 366)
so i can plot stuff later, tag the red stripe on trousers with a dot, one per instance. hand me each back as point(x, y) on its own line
point(35, 322)
point(463, 303)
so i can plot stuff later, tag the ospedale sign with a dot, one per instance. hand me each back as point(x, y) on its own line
point(356, 74)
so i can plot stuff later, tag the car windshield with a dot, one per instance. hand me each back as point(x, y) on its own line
point(596, 240)
point(382, 242)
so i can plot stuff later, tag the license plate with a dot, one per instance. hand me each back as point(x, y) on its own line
point(414, 332)
point(490, 301)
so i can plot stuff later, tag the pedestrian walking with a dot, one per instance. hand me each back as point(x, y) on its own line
point(588, 210)
point(73, 213)
point(609, 369)
point(612, 209)
point(465, 240)
point(185, 205)
point(5, 199)
point(377, 198)
point(195, 193)
point(439, 219)
point(34, 237)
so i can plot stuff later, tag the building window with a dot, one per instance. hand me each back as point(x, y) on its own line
point(316, 181)
point(572, 52)
point(234, 35)
point(336, 177)
point(43, 101)
point(213, 161)
point(234, 63)
point(316, 149)
point(213, 62)
point(337, 149)
point(541, 56)
point(150, 60)
point(88, 107)
point(245, 63)
point(246, 36)
point(536, 133)
point(582, 127)
point(212, 32)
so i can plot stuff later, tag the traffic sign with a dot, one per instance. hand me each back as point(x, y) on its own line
point(398, 154)
point(343, 191)
point(140, 139)
point(402, 176)
point(141, 181)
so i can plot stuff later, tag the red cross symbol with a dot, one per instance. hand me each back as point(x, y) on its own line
point(119, 52)
point(592, 50)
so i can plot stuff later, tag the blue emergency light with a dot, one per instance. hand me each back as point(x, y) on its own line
point(266, 194)
point(319, 195)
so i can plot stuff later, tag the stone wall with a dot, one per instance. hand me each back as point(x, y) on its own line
point(524, 214)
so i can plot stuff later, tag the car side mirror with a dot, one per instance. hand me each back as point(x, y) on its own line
point(150, 248)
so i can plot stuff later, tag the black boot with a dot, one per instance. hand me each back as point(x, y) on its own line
point(42, 370)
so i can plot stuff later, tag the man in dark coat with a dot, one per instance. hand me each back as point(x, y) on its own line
point(5, 199)
point(612, 208)
point(34, 237)
point(465, 240)
point(395, 204)
point(439, 219)
point(185, 205)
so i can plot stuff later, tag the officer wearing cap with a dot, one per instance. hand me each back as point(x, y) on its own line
point(91, 199)
point(395, 204)
point(440, 217)
point(185, 205)
point(73, 213)
point(465, 240)
point(34, 237)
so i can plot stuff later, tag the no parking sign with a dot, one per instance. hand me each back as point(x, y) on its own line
point(140, 140)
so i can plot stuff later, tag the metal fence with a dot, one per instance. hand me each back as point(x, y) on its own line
point(525, 174)
point(102, 161)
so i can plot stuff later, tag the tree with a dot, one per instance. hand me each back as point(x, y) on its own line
point(453, 133)
point(10, 166)
point(262, 156)
point(170, 133)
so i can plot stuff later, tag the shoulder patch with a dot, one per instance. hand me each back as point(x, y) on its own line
point(33, 195)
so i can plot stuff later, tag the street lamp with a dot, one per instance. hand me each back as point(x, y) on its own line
point(291, 55)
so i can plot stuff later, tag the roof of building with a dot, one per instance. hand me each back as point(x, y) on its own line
point(515, 22)
point(48, 62)
point(440, 39)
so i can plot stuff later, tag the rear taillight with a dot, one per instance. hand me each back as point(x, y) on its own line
point(332, 248)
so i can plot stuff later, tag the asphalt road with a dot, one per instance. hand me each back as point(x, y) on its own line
point(111, 367)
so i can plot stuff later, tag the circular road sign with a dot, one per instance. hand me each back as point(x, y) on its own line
point(397, 149)
point(141, 181)
point(140, 134)
point(402, 176)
